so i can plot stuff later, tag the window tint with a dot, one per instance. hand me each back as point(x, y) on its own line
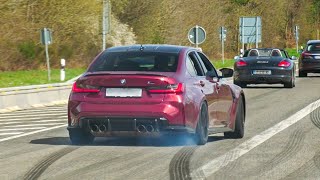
point(136, 61)
point(190, 67)
point(206, 62)
point(313, 47)
point(196, 64)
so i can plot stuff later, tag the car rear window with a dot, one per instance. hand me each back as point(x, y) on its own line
point(136, 61)
point(313, 47)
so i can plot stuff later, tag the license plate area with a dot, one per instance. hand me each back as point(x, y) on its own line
point(261, 72)
point(124, 92)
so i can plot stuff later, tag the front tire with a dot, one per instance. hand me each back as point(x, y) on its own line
point(80, 137)
point(201, 135)
point(239, 122)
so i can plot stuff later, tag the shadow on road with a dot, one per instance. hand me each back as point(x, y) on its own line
point(264, 87)
point(117, 141)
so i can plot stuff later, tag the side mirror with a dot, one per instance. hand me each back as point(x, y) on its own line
point(226, 72)
point(293, 58)
point(236, 57)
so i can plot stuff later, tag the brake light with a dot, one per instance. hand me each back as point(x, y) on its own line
point(284, 63)
point(171, 88)
point(87, 89)
point(306, 55)
point(241, 63)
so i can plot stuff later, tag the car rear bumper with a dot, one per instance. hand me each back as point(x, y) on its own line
point(309, 67)
point(277, 77)
point(127, 120)
point(128, 127)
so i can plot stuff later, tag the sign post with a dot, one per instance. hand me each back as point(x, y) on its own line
point(197, 35)
point(296, 32)
point(105, 22)
point(46, 39)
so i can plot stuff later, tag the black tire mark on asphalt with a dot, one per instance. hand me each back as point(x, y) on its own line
point(38, 169)
point(307, 168)
point(291, 148)
point(179, 167)
point(315, 117)
point(133, 156)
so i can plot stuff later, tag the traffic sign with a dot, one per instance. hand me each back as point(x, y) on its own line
point(45, 36)
point(197, 35)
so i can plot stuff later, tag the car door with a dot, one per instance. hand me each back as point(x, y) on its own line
point(210, 90)
point(195, 86)
point(220, 102)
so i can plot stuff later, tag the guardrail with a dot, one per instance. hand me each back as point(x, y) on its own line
point(24, 97)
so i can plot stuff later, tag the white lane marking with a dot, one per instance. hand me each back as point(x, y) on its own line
point(30, 133)
point(28, 125)
point(35, 112)
point(10, 123)
point(33, 115)
point(58, 120)
point(18, 129)
point(38, 118)
point(222, 161)
point(10, 133)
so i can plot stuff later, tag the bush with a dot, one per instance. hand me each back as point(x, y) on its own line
point(27, 50)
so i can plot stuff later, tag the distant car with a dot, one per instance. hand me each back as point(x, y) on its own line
point(147, 90)
point(309, 60)
point(265, 66)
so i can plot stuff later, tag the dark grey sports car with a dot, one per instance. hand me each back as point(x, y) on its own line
point(265, 66)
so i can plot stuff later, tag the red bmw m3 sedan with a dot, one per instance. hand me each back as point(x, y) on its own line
point(149, 90)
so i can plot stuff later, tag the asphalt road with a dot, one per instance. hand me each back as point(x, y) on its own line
point(281, 142)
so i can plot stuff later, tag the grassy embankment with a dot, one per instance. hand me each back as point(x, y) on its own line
point(34, 77)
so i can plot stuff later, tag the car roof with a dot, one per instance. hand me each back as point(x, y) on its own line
point(313, 41)
point(149, 48)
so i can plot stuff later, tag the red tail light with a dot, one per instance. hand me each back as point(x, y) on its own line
point(172, 88)
point(241, 63)
point(306, 55)
point(284, 63)
point(87, 89)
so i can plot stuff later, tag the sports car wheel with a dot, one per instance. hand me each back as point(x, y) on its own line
point(291, 83)
point(302, 74)
point(240, 84)
point(201, 135)
point(239, 123)
point(79, 137)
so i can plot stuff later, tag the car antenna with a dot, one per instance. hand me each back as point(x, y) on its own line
point(141, 48)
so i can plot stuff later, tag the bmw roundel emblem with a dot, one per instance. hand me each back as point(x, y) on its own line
point(123, 81)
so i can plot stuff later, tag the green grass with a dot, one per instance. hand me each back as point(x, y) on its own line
point(218, 64)
point(33, 77)
point(292, 52)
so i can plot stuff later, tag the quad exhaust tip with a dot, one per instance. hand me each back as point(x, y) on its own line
point(141, 129)
point(94, 128)
point(102, 128)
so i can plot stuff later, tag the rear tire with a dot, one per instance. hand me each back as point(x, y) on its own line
point(240, 84)
point(239, 122)
point(291, 83)
point(79, 137)
point(201, 135)
point(302, 74)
